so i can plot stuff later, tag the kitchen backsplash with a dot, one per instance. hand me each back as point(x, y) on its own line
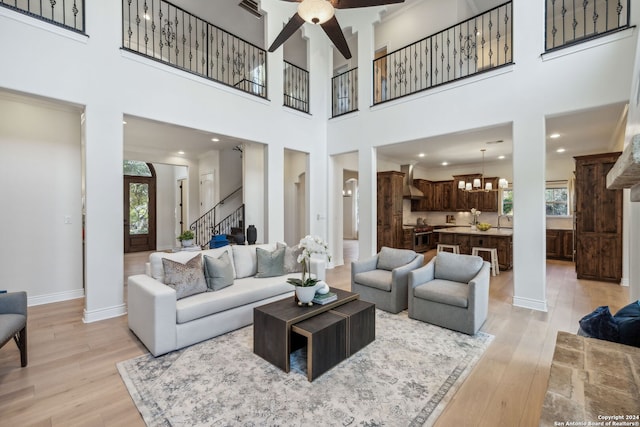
point(464, 218)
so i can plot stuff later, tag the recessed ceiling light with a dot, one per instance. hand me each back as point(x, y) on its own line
point(560, 150)
point(215, 139)
point(445, 163)
point(180, 152)
point(421, 155)
point(554, 135)
point(501, 157)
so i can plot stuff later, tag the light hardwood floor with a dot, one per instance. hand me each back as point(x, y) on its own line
point(72, 379)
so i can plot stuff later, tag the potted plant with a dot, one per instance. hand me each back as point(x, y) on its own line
point(307, 286)
point(186, 238)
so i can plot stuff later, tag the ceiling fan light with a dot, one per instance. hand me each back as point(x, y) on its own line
point(315, 11)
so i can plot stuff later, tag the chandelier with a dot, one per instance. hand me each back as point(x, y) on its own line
point(479, 184)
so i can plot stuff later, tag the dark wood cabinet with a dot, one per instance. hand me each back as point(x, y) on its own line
point(426, 203)
point(407, 238)
point(389, 208)
point(442, 195)
point(598, 220)
point(485, 201)
point(504, 244)
point(560, 244)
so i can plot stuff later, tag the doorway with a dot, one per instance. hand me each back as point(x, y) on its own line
point(139, 207)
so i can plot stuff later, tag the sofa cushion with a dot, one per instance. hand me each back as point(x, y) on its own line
point(244, 291)
point(456, 267)
point(186, 279)
point(444, 292)
point(218, 272)
point(270, 263)
point(379, 279)
point(155, 259)
point(245, 259)
point(628, 320)
point(390, 258)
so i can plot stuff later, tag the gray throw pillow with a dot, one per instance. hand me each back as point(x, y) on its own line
point(186, 279)
point(270, 264)
point(390, 258)
point(218, 271)
point(291, 264)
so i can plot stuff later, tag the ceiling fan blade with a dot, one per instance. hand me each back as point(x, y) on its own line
point(349, 4)
point(333, 30)
point(292, 26)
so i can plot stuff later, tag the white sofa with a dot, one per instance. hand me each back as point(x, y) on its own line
point(164, 323)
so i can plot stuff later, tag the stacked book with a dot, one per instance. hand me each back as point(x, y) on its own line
point(325, 298)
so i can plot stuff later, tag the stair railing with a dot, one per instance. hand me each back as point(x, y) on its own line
point(204, 227)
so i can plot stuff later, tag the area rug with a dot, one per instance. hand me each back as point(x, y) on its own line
point(404, 378)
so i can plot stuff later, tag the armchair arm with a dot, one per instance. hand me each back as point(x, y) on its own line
point(423, 274)
point(13, 303)
point(479, 287)
point(152, 313)
point(400, 275)
point(361, 266)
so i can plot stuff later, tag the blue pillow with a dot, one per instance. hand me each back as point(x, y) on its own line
point(601, 324)
point(628, 320)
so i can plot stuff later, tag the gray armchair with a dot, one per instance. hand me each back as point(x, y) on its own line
point(451, 291)
point(13, 321)
point(383, 278)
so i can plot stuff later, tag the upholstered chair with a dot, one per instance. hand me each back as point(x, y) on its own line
point(383, 278)
point(13, 321)
point(451, 291)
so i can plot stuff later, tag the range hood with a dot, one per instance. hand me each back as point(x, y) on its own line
point(409, 191)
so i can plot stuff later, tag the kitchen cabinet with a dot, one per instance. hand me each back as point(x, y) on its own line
point(485, 201)
point(559, 244)
point(598, 220)
point(389, 209)
point(426, 203)
point(467, 240)
point(442, 193)
point(407, 238)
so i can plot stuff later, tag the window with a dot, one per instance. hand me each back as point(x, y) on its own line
point(556, 201)
point(136, 168)
point(507, 202)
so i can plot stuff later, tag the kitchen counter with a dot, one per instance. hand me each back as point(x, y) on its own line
point(467, 230)
point(466, 239)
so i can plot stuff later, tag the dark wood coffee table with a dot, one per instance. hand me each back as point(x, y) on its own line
point(327, 332)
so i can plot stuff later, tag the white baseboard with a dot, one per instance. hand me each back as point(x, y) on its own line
point(55, 297)
point(624, 282)
point(104, 313)
point(534, 304)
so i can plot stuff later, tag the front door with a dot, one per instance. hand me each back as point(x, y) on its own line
point(140, 213)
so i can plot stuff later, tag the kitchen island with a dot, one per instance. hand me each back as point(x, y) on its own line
point(500, 238)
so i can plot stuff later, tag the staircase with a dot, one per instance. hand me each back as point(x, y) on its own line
point(208, 224)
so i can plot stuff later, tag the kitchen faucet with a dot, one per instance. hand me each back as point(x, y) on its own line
point(508, 219)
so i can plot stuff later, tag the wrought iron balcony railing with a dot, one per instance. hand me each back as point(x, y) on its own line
point(64, 13)
point(570, 21)
point(481, 43)
point(344, 93)
point(296, 87)
point(162, 31)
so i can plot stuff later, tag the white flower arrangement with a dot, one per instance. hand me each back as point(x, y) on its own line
point(475, 214)
point(310, 245)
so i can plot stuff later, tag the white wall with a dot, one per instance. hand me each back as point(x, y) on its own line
point(295, 164)
point(40, 167)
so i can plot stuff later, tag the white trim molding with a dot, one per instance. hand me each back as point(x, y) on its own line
point(55, 297)
point(533, 304)
point(104, 313)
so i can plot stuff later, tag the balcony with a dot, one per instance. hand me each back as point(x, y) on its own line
point(296, 87)
point(344, 93)
point(478, 44)
point(68, 14)
point(164, 32)
point(569, 22)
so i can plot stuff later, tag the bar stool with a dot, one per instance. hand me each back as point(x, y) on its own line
point(495, 268)
point(454, 248)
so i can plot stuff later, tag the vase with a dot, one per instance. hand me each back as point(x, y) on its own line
point(187, 243)
point(252, 234)
point(305, 294)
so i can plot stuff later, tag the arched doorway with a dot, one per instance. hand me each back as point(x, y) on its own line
point(139, 206)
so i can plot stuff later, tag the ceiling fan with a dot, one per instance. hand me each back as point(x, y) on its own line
point(322, 12)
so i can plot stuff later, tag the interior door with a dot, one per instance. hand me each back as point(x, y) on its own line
point(139, 213)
